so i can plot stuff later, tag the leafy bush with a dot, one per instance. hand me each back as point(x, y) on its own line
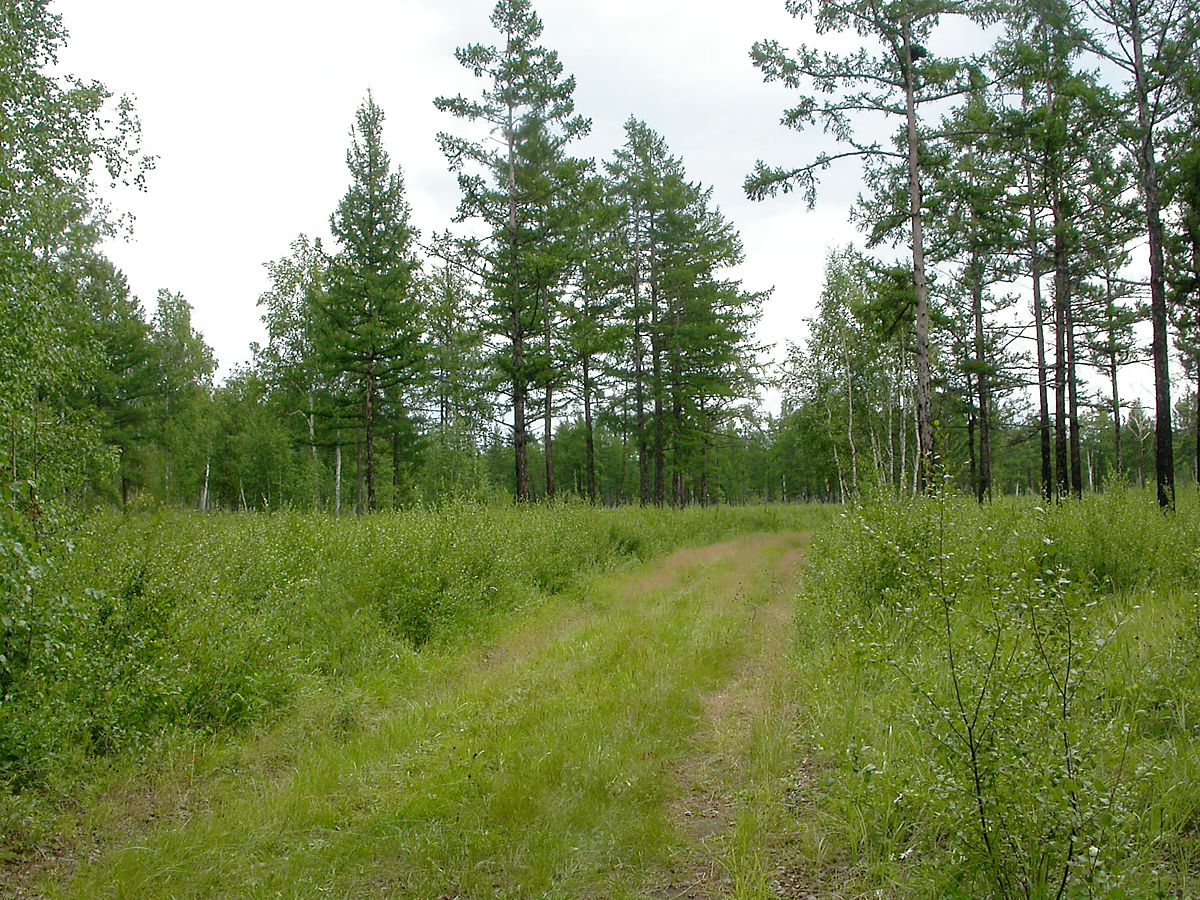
point(1022, 651)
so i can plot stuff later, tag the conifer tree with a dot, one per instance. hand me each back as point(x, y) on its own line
point(1151, 42)
point(509, 181)
point(368, 316)
point(895, 81)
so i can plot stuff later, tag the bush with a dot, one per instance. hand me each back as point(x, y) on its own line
point(1026, 761)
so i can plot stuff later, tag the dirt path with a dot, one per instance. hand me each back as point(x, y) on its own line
point(717, 779)
point(623, 745)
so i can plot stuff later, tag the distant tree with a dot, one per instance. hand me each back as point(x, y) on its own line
point(368, 317)
point(127, 387)
point(289, 363)
point(895, 82)
point(457, 398)
point(691, 359)
point(186, 366)
point(510, 182)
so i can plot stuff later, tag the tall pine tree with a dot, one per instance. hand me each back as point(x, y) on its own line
point(368, 317)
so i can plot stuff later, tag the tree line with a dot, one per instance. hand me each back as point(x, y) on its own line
point(1042, 162)
point(580, 334)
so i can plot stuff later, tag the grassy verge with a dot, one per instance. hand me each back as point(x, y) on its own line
point(153, 643)
point(999, 701)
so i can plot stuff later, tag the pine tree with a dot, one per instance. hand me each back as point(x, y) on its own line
point(368, 316)
point(896, 82)
point(510, 182)
point(1151, 42)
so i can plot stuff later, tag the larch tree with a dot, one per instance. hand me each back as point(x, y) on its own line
point(1150, 42)
point(974, 216)
point(510, 179)
point(368, 316)
point(1183, 246)
point(894, 77)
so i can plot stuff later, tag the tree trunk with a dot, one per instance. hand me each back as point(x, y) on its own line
point(850, 421)
point(337, 478)
point(1164, 454)
point(1039, 318)
point(972, 462)
point(1061, 300)
point(368, 444)
point(204, 489)
point(520, 439)
point(983, 487)
point(517, 335)
point(924, 380)
point(589, 432)
point(395, 469)
point(639, 369)
point(1073, 399)
point(548, 440)
point(311, 420)
point(677, 403)
point(1112, 371)
point(360, 499)
point(548, 414)
point(657, 388)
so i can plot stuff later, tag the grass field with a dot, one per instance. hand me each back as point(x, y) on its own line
point(924, 699)
point(174, 644)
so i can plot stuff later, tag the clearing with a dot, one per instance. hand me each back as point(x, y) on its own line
point(627, 740)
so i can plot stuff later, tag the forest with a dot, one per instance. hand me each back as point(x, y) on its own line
point(522, 521)
point(583, 337)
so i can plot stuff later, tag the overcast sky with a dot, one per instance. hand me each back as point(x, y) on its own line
point(248, 103)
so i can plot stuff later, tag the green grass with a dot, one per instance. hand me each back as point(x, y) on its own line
point(1012, 608)
point(958, 701)
point(170, 646)
point(542, 763)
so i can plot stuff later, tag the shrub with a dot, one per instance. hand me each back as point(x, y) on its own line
point(1009, 629)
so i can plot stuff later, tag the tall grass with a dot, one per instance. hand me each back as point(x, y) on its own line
point(132, 627)
point(1012, 699)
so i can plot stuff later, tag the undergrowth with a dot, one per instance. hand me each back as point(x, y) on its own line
point(133, 629)
point(1011, 700)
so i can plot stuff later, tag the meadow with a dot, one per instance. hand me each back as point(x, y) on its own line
point(926, 698)
point(1001, 700)
point(128, 633)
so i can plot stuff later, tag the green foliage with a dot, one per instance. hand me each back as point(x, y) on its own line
point(368, 316)
point(1013, 665)
point(147, 623)
point(62, 137)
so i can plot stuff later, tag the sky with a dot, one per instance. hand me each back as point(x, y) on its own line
point(248, 104)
